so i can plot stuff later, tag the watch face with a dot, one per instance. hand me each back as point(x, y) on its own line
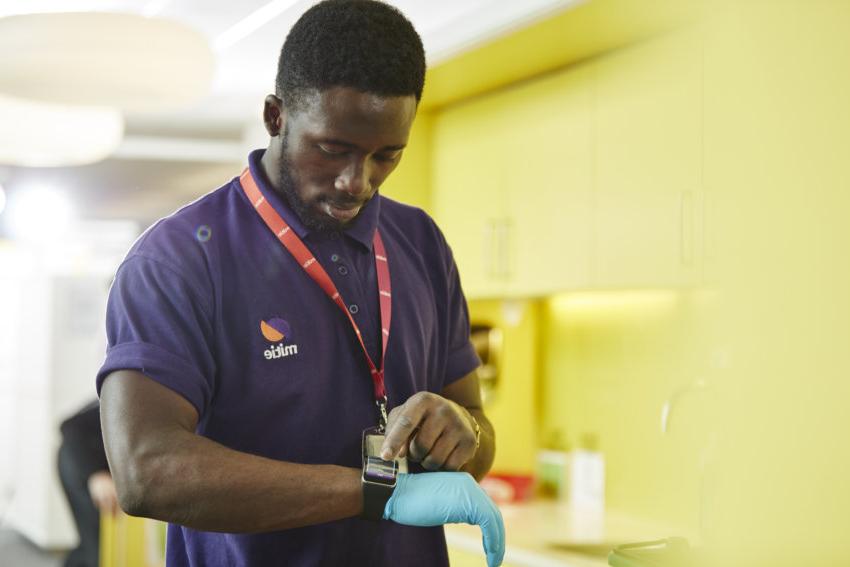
point(380, 471)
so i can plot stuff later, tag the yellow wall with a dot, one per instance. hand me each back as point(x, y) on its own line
point(579, 32)
point(600, 365)
point(778, 131)
point(411, 181)
point(610, 360)
point(512, 407)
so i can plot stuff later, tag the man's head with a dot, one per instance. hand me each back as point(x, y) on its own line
point(350, 76)
point(363, 44)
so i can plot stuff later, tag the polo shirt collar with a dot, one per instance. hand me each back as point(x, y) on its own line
point(363, 230)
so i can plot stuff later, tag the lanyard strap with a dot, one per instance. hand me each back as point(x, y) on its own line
point(314, 269)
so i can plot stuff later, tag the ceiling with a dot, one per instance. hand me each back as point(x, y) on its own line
point(168, 158)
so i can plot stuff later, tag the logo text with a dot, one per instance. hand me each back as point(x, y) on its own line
point(280, 351)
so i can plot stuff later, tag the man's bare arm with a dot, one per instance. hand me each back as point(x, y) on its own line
point(466, 392)
point(164, 470)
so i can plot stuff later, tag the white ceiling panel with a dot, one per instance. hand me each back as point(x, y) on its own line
point(244, 73)
point(245, 69)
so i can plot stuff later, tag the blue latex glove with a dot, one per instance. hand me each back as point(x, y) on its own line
point(437, 498)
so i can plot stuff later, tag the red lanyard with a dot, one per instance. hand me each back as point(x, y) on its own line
point(314, 269)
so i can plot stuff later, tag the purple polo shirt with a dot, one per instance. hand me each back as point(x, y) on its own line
point(186, 309)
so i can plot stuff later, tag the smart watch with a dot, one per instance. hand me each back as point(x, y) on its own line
point(379, 476)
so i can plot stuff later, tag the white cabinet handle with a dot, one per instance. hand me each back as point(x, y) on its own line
point(503, 249)
point(686, 227)
point(488, 250)
point(497, 249)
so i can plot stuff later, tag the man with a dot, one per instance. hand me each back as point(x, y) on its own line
point(256, 334)
point(86, 481)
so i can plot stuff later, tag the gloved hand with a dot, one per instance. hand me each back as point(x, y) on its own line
point(437, 498)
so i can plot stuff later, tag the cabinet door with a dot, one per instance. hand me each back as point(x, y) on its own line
point(469, 191)
point(647, 164)
point(549, 182)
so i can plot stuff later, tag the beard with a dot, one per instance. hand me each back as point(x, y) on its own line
point(308, 216)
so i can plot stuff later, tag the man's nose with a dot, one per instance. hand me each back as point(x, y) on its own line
point(354, 179)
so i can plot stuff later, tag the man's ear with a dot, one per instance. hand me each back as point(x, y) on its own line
point(274, 115)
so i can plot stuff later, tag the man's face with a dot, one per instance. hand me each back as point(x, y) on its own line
point(338, 149)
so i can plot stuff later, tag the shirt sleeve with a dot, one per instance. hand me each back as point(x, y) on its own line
point(161, 325)
point(462, 358)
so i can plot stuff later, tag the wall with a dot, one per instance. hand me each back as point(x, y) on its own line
point(512, 408)
point(597, 367)
point(609, 362)
point(411, 181)
point(778, 142)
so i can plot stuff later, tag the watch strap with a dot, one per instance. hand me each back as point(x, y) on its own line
point(375, 497)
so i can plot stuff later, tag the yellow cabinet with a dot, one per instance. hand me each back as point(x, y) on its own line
point(513, 187)
point(590, 177)
point(469, 200)
point(550, 182)
point(647, 165)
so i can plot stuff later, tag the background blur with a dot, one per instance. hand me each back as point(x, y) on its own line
point(647, 201)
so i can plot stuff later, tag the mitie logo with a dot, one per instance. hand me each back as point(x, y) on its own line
point(276, 330)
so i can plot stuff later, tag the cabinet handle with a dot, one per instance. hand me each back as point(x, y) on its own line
point(496, 249)
point(488, 250)
point(503, 249)
point(686, 227)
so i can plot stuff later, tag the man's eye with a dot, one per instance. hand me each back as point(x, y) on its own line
point(387, 157)
point(332, 151)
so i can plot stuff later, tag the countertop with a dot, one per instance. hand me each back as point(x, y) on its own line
point(547, 533)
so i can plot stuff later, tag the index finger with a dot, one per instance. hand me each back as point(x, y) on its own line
point(400, 429)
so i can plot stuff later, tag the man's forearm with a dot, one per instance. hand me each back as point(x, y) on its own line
point(203, 485)
point(481, 462)
point(162, 469)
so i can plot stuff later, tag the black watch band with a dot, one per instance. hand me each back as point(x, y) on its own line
point(378, 477)
point(375, 496)
point(378, 481)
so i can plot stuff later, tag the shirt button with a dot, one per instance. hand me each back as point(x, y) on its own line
point(342, 270)
point(353, 308)
point(334, 257)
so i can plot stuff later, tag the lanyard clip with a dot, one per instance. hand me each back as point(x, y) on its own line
point(382, 414)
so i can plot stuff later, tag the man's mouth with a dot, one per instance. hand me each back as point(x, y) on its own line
point(342, 212)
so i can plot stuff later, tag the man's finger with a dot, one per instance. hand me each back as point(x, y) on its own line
point(400, 428)
point(455, 460)
point(424, 440)
point(438, 455)
point(493, 536)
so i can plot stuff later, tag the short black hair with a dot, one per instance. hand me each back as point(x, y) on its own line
point(363, 44)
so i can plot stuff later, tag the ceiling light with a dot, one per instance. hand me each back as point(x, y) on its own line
point(36, 134)
point(154, 7)
point(12, 7)
point(250, 23)
point(39, 213)
point(102, 59)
